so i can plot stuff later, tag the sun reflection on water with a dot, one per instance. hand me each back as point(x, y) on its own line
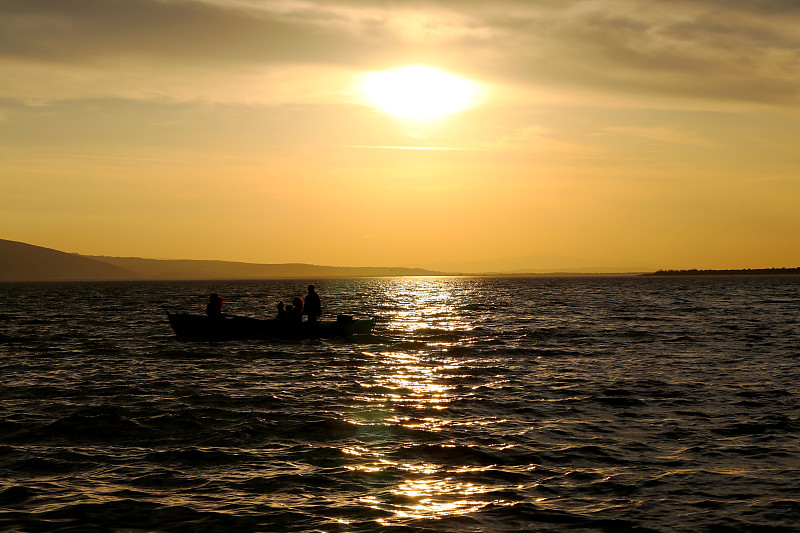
point(410, 386)
point(438, 497)
point(424, 304)
point(403, 378)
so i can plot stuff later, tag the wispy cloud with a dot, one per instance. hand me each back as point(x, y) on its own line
point(664, 135)
point(702, 50)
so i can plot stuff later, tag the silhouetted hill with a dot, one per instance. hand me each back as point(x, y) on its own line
point(26, 262)
point(201, 269)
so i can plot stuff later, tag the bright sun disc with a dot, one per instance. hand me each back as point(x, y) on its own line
point(418, 92)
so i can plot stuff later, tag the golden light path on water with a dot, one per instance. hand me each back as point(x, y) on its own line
point(413, 378)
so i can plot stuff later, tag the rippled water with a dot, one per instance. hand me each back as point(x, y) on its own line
point(534, 404)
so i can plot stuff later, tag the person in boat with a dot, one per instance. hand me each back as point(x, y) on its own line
point(312, 306)
point(214, 307)
point(297, 309)
point(282, 313)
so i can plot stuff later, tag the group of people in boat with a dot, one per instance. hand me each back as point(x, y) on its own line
point(311, 307)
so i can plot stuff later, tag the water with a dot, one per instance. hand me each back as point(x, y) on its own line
point(535, 404)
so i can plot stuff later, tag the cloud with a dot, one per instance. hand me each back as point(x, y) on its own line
point(703, 50)
point(663, 134)
point(690, 50)
point(541, 141)
point(96, 30)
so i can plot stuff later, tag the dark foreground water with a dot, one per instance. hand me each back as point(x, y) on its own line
point(538, 404)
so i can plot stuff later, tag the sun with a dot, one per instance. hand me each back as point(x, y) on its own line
point(418, 92)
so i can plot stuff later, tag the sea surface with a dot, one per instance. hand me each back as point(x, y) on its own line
point(588, 404)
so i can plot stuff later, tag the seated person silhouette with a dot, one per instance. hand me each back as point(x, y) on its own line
point(214, 307)
point(297, 309)
point(282, 313)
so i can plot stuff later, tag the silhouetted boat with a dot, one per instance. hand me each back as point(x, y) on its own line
point(200, 327)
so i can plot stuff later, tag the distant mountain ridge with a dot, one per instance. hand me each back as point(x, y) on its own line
point(26, 262)
point(210, 269)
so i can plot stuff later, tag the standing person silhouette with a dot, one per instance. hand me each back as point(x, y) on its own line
point(312, 306)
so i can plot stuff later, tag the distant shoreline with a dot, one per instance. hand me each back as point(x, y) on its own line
point(730, 272)
point(30, 263)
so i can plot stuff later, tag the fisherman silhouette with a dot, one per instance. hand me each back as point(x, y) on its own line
point(312, 307)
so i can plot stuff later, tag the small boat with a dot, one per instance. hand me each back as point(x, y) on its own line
point(228, 328)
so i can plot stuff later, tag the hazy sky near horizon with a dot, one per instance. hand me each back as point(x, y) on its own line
point(627, 133)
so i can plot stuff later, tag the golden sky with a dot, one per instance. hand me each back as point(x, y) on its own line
point(538, 134)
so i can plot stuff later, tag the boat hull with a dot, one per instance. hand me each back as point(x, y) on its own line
point(200, 327)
